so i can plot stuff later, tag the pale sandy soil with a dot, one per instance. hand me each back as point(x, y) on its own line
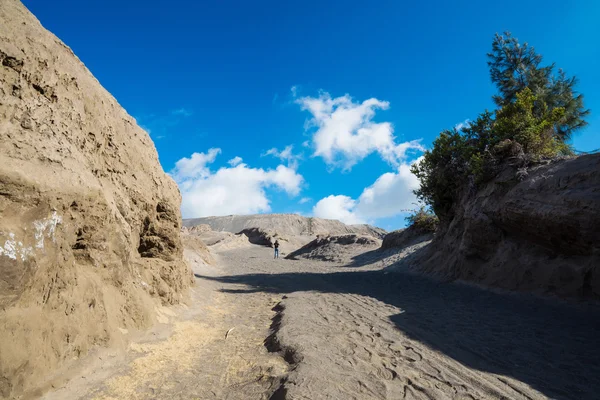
point(188, 356)
point(354, 332)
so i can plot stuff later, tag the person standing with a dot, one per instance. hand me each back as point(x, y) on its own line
point(276, 246)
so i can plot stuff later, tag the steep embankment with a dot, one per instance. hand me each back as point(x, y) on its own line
point(405, 237)
point(540, 234)
point(89, 222)
point(285, 224)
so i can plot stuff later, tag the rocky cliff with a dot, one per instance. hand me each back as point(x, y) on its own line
point(285, 224)
point(89, 222)
point(539, 232)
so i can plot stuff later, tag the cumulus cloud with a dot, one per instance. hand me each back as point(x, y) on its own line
point(391, 194)
point(286, 155)
point(194, 167)
point(337, 207)
point(345, 132)
point(236, 190)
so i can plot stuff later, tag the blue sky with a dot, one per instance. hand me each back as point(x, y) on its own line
point(247, 77)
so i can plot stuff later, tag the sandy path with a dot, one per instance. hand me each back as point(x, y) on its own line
point(362, 333)
point(188, 356)
point(342, 332)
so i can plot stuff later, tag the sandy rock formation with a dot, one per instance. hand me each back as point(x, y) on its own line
point(335, 248)
point(536, 232)
point(215, 240)
point(195, 250)
point(285, 224)
point(404, 237)
point(196, 229)
point(259, 236)
point(89, 222)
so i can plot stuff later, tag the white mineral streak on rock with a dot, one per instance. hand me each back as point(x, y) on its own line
point(14, 249)
point(10, 247)
point(47, 226)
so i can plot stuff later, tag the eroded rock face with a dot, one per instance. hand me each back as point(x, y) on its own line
point(404, 237)
point(259, 236)
point(89, 222)
point(541, 233)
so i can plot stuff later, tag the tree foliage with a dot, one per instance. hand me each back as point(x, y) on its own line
point(537, 112)
point(423, 220)
point(535, 132)
point(515, 67)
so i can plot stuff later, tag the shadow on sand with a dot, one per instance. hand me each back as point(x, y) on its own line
point(552, 346)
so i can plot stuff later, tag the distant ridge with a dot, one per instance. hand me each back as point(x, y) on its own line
point(286, 224)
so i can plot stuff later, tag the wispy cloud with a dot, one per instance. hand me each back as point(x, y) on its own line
point(286, 155)
point(183, 112)
point(235, 161)
point(305, 200)
point(160, 126)
point(461, 125)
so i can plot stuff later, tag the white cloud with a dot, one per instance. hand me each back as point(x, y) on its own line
point(305, 200)
point(236, 190)
point(286, 155)
point(194, 167)
point(391, 194)
point(465, 124)
point(235, 161)
point(337, 207)
point(346, 133)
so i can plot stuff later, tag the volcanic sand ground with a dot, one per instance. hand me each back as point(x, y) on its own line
point(349, 332)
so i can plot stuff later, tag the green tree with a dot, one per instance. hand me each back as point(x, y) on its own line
point(517, 122)
point(514, 67)
point(442, 171)
point(537, 112)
